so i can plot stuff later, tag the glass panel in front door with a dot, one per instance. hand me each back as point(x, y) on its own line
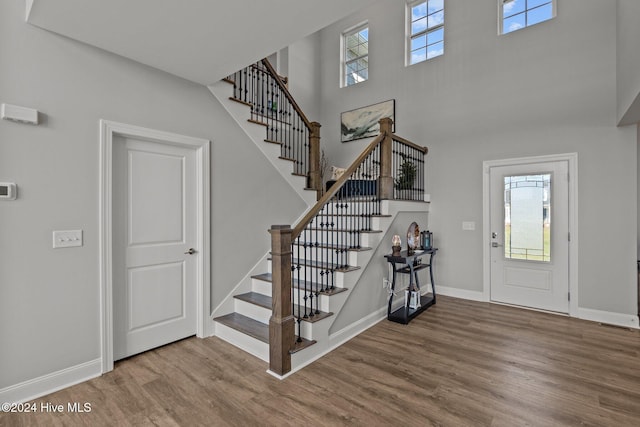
point(527, 219)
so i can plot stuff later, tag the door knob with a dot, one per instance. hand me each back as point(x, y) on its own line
point(191, 251)
point(495, 244)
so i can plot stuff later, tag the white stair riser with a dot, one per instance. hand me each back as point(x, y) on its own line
point(316, 330)
point(323, 301)
point(255, 312)
point(326, 301)
point(344, 222)
point(261, 287)
point(309, 274)
point(337, 238)
point(362, 223)
point(370, 240)
point(242, 341)
point(324, 254)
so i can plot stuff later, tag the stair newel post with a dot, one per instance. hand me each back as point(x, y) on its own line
point(315, 179)
point(386, 155)
point(282, 322)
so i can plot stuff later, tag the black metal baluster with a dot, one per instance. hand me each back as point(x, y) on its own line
point(322, 241)
point(334, 238)
point(317, 271)
point(298, 317)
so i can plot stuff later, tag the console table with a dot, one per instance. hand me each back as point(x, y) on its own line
point(410, 264)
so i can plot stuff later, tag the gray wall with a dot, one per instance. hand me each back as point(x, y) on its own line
point(628, 61)
point(547, 89)
point(49, 299)
point(304, 75)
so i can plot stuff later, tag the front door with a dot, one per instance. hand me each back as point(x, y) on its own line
point(530, 235)
point(154, 223)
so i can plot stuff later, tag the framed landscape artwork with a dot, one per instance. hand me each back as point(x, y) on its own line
point(363, 122)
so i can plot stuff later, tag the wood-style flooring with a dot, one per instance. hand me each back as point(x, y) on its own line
point(461, 363)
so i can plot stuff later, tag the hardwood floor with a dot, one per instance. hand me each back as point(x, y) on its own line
point(461, 363)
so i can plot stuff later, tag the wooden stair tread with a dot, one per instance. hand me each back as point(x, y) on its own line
point(257, 330)
point(342, 230)
point(265, 301)
point(248, 104)
point(304, 343)
point(261, 300)
point(331, 246)
point(270, 141)
point(325, 265)
point(258, 122)
point(246, 325)
point(361, 215)
point(267, 277)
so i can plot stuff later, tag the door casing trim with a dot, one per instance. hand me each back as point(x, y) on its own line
point(201, 147)
point(572, 160)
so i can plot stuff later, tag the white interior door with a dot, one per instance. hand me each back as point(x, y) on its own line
point(154, 223)
point(530, 235)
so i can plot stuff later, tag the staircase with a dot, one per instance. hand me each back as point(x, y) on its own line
point(334, 241)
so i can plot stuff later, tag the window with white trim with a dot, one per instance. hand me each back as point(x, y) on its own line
point(425, 30)
point(355, 60)
point(518, 14)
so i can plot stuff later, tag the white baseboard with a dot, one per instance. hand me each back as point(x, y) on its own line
point(460, 293)
point(608, 317)
point(52, 382)
point(345, 334)
point(336, 339)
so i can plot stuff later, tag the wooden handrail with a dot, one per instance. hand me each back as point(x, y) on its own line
point(395, 137)
point(297, 230)
point(278, 80)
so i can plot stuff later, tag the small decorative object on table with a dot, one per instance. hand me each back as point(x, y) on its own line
point(412, 299)
point(396, 245)
point(426, 239)
point(413, 238)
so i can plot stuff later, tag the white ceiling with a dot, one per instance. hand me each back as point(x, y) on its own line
point(199, 40)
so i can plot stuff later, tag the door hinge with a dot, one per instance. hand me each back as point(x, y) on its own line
point(569, 236)
point(569, 296)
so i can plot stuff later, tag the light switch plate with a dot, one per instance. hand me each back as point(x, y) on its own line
point(468, 225)
point(67, 239)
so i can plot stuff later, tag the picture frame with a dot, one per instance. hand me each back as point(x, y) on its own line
point(363, 122)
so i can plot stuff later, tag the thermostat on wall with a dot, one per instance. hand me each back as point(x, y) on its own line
point(8, 191)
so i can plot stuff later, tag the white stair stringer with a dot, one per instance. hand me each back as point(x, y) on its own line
point(222, 90)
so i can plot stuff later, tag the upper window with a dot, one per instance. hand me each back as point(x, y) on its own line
point(425, 30)
point(355, 45)
point(517, 14)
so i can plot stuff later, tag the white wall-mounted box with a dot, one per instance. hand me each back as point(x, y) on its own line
point(8, 191)
point(19, 114)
